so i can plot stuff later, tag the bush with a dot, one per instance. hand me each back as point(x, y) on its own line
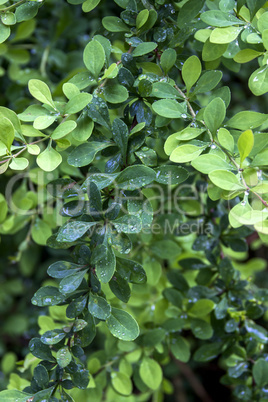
point(133, 200)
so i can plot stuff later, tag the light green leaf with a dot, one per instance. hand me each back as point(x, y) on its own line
point(63, 129)
point(94, 57)
point(99, 307)
point(7, 132)
point(12, 395)
point(207, 81)
point(207, 163)
point(4, 32)
point(219, 18)
point(70, 90)
point(189, 133)
point(246, 55)
point(226, 140)
point(247, 120)
point(78, 102)
point(63, 357)
point(245, 144)
point(41, 231)
point(42, 122)
point(201, 329)
point(265, 38)
point(122, 325)
point(263, 22)
point(191, 71)
point(114, 24)
point(180, 348)
point(261, 159)
point(214, 114)
point(89, 5)
point(169, 108)
point(258, 81)
point(144, 48)
point(40, 91)
point(120, 381)
point(164, 90)
point(185, 153)
point(151, 373)
point(142, 17)
point(115, 93)
point(168, 59)
point(111, 72)
point(49, 159)
point(226, 180)
point(202, 307)
point(170, 174)
point(224, 35)
point(33, 149)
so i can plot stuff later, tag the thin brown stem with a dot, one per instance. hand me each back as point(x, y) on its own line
point(12, 7)
point(192, 112)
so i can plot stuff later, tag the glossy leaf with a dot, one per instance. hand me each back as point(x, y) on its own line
point(122, 325)
point(191, 71)
point(99, 307)
point(151, 373)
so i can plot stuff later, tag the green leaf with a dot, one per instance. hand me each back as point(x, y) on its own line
point(247, 120)
point(49, 159)
point(166, 249)
point(114, 24)
point(4, 32)
point(170, 174)
point(63, 129)
point(120, 287)
point(63, 357)
point(256, 331)
point(128, 224)
point(208, 163)
point(189, 133)
point(180, 348)
point(26, 11)
point(191, 71)
point(164, 90)
point(8, 18)
point(260, 372)
point(40, 91)
point(72, 231)
point(94, 57)
point(258, 81)
point(261, 159)
point(40, 375)
point(207, 352)
point(201, 329)
point(151, 373)
point(38, 349)
point(169, 108)
point(13, 395)
point(188, 11)
point(144, 48)
point(60, 269)
point(202, 307)
point(263, 22)
point(134, 177)
point(71, 282)
point(168, 59)
point(245, 144)
point(212, 51)
point(47, 296)
point(224, 35)
point(207, 81)
point(105, 263)
point(99, 307)
point(122, 325)
point(7, 132)
point(218, 18)
point(115, 93)
point(186, 153)
point(77, 103)
point(226, 140)
point(89, 5)
point(85, 153)
point(214, 114)
point(226, 180)
point(53, 337)
point(120, 381)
